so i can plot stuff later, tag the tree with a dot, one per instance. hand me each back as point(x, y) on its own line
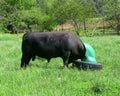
point(16, 15)
point(10, 13)
point(98, 6)
point(59, 12)
point(112, 13)
point(75, 11)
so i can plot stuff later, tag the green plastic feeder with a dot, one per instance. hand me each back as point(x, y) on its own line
point(90, 54)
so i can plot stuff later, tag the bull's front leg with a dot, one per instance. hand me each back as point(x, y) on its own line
point(66, 59)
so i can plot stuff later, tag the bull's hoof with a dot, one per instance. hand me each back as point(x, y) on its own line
point(87, 65)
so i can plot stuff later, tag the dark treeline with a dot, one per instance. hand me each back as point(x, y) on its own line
point(45, 15)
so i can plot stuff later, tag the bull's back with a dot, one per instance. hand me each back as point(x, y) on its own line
point(45, 44)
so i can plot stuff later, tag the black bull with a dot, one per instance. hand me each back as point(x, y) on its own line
point(49, 45)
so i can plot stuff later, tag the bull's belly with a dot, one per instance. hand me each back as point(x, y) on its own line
point(48, 54)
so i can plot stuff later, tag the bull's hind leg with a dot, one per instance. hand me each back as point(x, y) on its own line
point(66, 58)
point(26, 55)
point(25, 60)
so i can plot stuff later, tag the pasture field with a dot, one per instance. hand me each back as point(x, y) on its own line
point(50, 79)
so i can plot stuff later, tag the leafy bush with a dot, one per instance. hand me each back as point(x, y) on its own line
point(36, 20)
point(23, 15)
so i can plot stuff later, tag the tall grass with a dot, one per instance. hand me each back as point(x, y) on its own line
point(50, 79)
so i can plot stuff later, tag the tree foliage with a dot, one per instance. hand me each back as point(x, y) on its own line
point(27, 15)
point(41, 15)
point(112, 13)
point(75, 11)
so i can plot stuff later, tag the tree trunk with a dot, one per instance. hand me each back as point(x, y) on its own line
point(77, 29)
point(95, 27)
point(37, 1)
point(76, 26)
point(118, 27)
point(62, 27)
point(85, 29)
point(103, 27)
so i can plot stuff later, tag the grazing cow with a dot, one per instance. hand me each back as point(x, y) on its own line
point(49, 45)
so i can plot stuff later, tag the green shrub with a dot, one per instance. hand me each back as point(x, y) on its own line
point(36, 20)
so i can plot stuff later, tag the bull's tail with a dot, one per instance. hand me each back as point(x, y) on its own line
point(33, 58)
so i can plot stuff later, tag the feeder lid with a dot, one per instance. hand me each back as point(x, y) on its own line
point(90, 54)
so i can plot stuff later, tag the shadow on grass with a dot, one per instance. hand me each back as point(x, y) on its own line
point(45, 66)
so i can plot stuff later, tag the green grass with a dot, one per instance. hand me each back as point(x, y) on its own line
point(50, 79)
